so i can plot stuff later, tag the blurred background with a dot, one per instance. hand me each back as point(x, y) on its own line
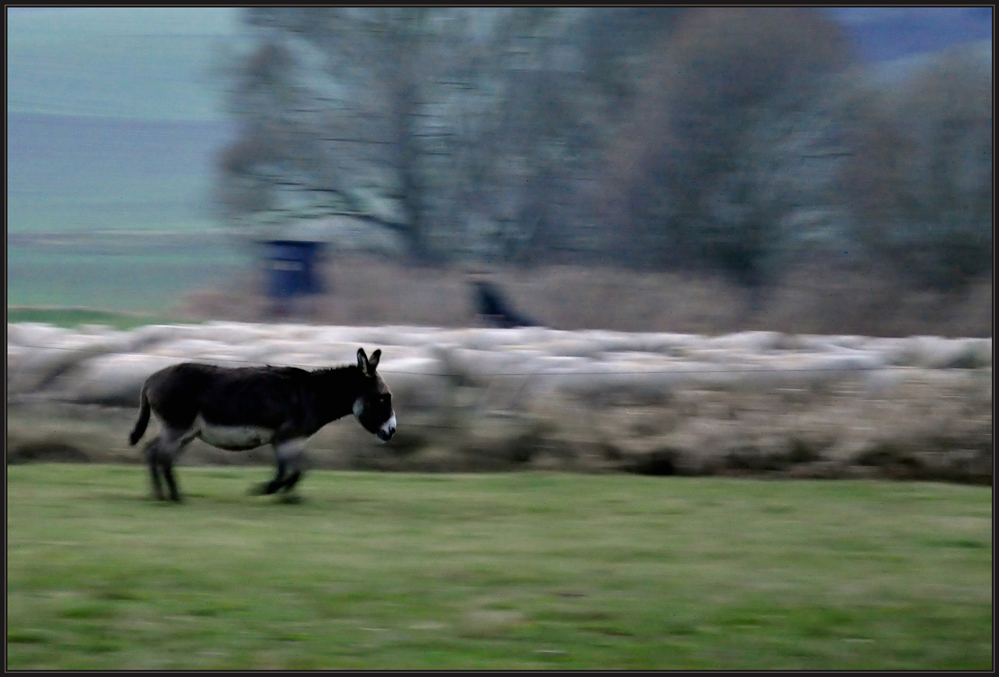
point(332, 173)
point(641, 169)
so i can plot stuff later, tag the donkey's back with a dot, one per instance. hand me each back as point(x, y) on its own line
point(267, 397)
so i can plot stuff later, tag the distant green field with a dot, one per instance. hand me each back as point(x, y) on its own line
point(74, 317)
point(72, 174)
point(494, 571)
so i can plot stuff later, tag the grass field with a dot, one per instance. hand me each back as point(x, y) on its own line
point(146, 281)
point(503, 571)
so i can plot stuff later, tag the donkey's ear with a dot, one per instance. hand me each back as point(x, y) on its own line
point(362, 360)
point(373, 362)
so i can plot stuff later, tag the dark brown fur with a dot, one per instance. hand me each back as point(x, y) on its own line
point(287, 404)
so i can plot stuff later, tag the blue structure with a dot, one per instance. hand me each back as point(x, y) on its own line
point(291, 268)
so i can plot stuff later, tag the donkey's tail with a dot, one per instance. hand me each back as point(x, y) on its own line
point(140, 425)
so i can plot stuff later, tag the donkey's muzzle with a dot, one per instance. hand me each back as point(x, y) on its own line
point(386, 432)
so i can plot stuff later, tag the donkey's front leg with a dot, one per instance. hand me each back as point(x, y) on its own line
point(293, 478)
point(293, 453)
point(288, 454)
point(270, 487)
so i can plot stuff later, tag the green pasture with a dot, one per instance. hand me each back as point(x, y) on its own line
point(140, 282)
point(76, 317)
point(494, 571)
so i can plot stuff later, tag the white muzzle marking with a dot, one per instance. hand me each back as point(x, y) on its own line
point(387, 430)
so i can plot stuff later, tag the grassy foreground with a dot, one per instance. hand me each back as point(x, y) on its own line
point(492, 571)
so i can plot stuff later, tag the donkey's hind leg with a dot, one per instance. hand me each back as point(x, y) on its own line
point(172, 442)
point(151, 454)
point(171, 481)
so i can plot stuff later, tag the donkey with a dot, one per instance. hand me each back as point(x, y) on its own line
point(247, 407)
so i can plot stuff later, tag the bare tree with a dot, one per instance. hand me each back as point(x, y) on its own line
point(920, 186)
point(441, 123)
point(700, 177)
point(471, 131)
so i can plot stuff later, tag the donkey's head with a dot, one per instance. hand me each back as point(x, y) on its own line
point(373, 407)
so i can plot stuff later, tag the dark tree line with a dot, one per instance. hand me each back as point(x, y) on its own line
point(722, 139)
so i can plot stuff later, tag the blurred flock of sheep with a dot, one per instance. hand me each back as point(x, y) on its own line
point(757, 403)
